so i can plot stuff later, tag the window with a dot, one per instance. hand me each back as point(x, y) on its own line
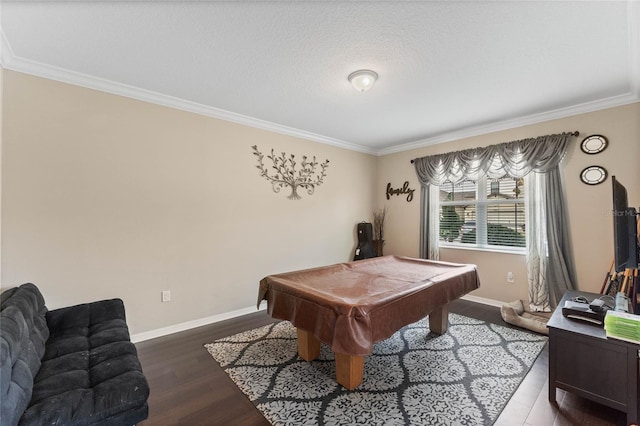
point(487, 214)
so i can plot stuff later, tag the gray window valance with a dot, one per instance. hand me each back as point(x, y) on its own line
point(550, 266)
point(515, 159)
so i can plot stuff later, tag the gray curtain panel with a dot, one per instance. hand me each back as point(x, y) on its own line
point(550, 261)
point(549, 252)
point(429, 222)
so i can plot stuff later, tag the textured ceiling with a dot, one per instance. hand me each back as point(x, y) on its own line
point(447, 69)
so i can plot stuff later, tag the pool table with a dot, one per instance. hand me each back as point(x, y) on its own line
point(350, 306)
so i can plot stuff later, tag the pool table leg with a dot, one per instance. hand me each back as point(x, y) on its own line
point(308, 345)
point(439, 319)
point(349, 370)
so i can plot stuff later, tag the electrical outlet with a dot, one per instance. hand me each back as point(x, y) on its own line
point(510, 277)
point(166, 295)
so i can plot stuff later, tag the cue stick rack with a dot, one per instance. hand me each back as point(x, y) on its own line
point(626, 282)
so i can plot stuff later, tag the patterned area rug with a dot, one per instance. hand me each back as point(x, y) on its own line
point(464, 377)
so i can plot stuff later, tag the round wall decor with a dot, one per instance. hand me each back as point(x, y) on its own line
point(593, 175)
point(594, 144)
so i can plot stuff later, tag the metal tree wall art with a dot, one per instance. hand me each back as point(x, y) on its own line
point(287, 175)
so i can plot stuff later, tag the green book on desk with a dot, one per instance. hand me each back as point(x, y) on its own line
point(622, 326)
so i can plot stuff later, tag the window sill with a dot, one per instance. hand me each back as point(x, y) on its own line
point(516, 251)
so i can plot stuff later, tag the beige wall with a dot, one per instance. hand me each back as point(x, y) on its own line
point(105, 196)
point(589, 206)
point(1, 121)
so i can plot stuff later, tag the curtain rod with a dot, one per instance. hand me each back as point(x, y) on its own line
point(574, 133)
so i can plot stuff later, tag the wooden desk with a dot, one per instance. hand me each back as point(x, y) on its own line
point(584, 362)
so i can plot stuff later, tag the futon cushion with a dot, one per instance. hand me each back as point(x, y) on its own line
point(90, 372)
point(23, 333)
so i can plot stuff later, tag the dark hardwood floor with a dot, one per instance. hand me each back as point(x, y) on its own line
point(189, 388)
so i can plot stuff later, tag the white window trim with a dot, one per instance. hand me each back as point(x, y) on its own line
point(494, 249)
point(481, 212)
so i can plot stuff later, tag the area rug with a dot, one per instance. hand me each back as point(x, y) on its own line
point(464, 377)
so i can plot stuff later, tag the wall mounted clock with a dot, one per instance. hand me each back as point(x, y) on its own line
point(594, 144)
point(593, 175)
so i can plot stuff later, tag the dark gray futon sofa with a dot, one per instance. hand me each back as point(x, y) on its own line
point(68, 366)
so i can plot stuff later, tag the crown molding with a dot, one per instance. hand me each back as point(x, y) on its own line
point(15, 63)
point(634, 46)
point(615, 101)
point(9, 61)
point(6, 54)
point(632, 96)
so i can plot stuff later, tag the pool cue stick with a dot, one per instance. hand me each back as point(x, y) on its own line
point(613, 284)
point(624, 282)
point(621, 281)
point(607, 279)
point(629, 273)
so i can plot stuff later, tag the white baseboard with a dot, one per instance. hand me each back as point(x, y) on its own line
point(159, 332)
point(164, 331)
point(483, 300)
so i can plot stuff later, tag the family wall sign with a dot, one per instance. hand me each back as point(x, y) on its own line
point(400, 191)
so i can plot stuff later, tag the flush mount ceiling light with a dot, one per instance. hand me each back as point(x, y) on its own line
point(362, 80)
